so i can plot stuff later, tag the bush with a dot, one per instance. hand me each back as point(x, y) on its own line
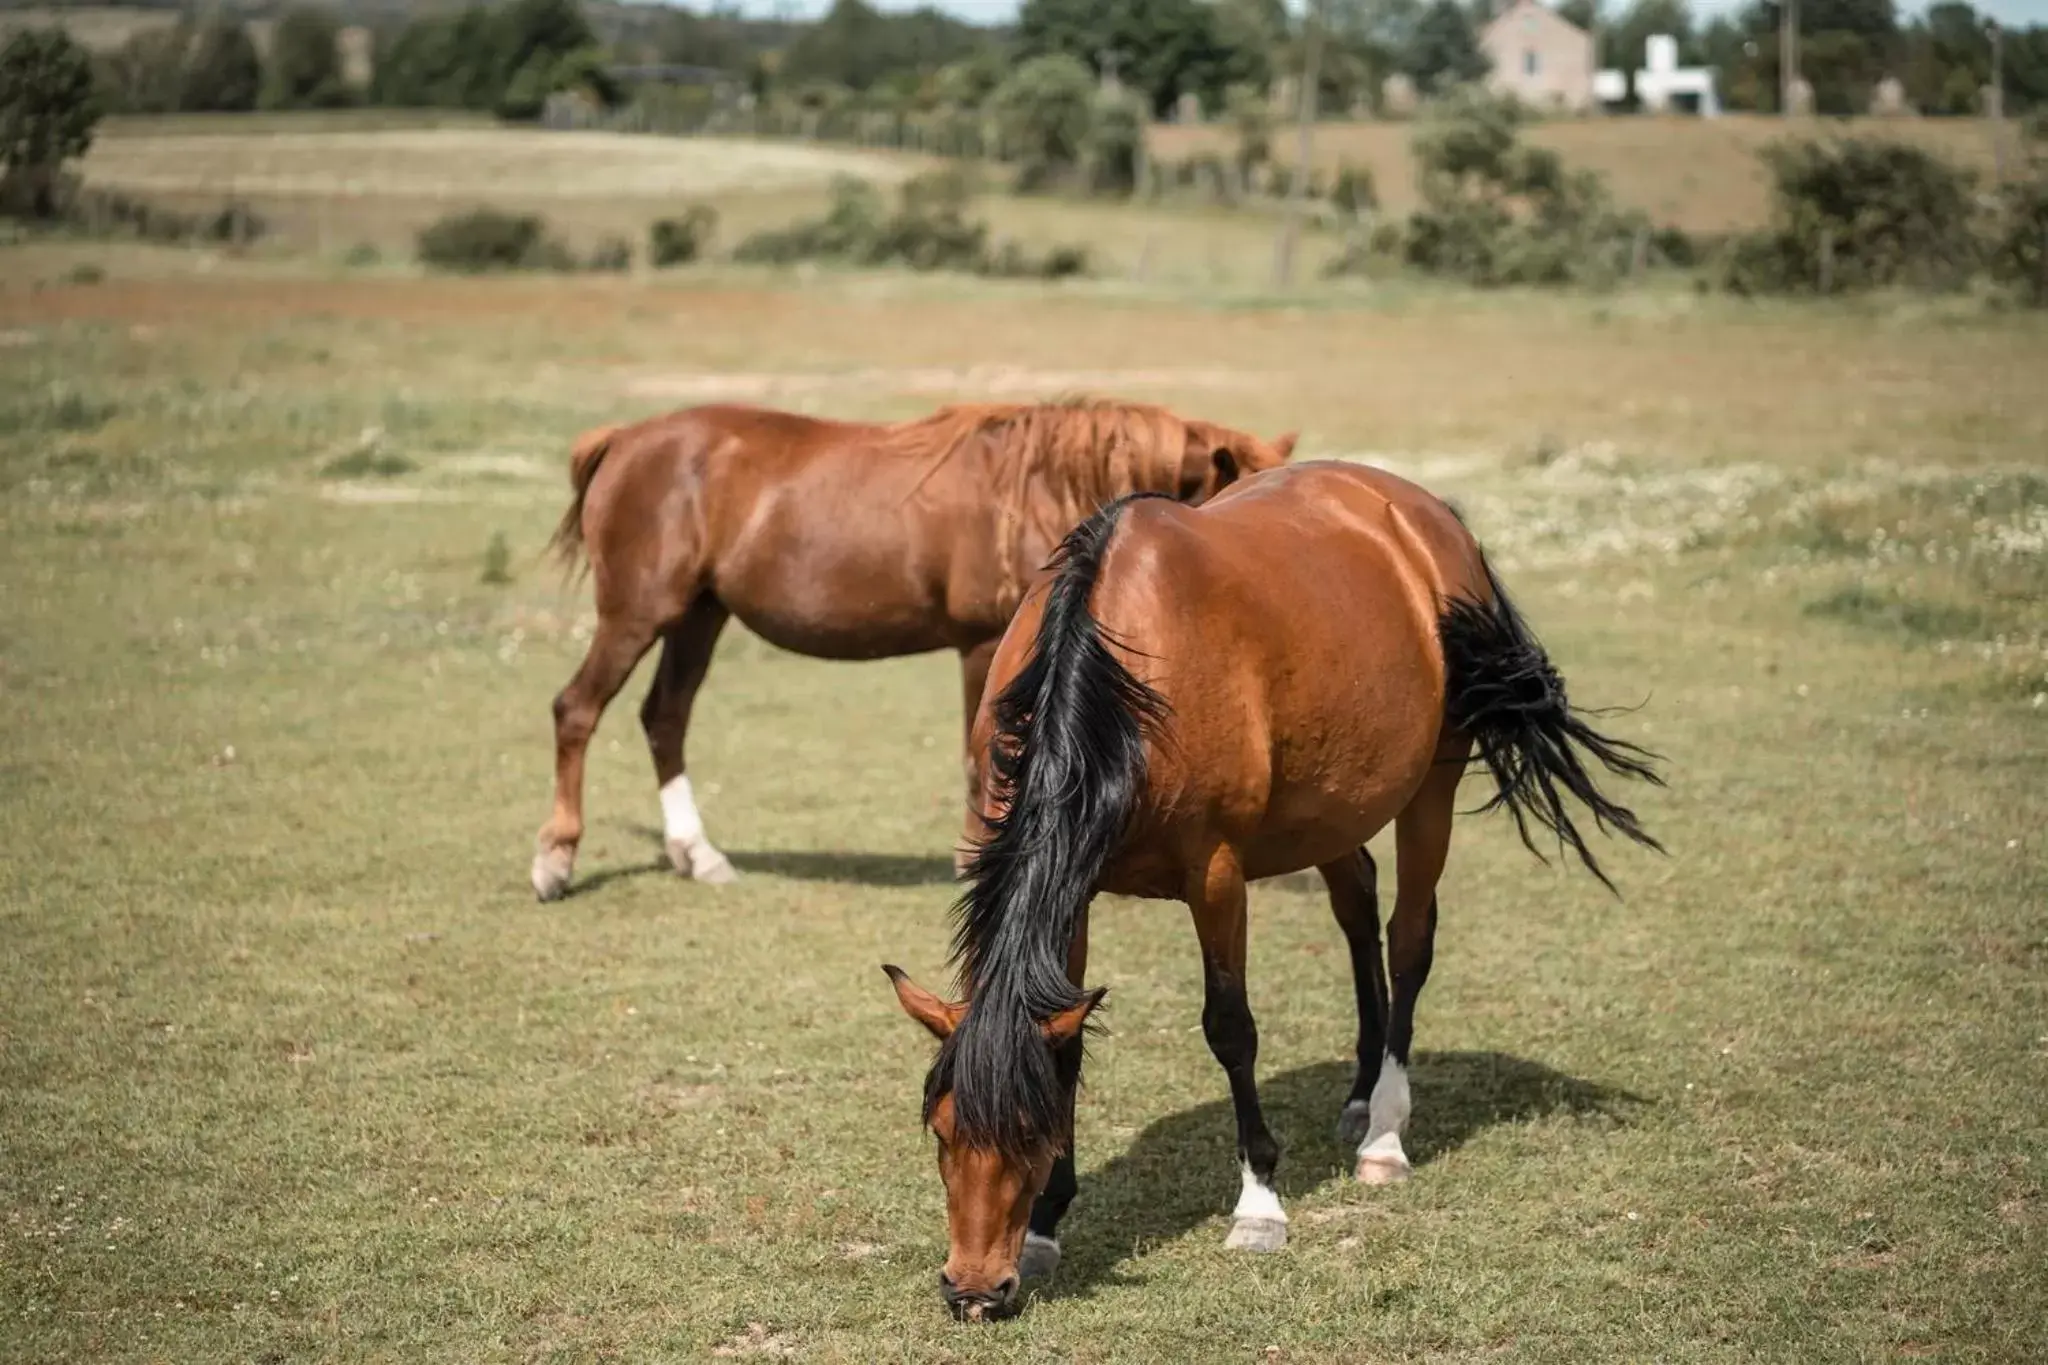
point(1116, 143)
point(111, 211)
point(1497, 212)
point(486, 239)
point(48, 109)
point(1251, 118)
point(1355, 193)
point(1046, 111)
point(928, 230)
point(1858, 213)
point(2019, 253)
point(679, 241)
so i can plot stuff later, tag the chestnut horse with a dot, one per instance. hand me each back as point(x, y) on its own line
point(1191, 699)
point(838, 540)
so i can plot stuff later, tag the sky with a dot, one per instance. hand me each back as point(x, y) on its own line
point(993, 11)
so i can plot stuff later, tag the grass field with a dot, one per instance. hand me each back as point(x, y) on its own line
point(295, 1069)
point(332, 182)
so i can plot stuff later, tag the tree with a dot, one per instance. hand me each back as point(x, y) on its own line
point(1443, 52)
point(531, 36)
point(220, 68)
point(146, 74)
point(305, 61)
point(1162, 48)
point(1046, 110)
point(1625, 42)
point(48, 109)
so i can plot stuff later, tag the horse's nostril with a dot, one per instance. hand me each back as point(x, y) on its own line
point(1007, 1289)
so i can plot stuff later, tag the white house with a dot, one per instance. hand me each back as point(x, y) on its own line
point(1661, 81)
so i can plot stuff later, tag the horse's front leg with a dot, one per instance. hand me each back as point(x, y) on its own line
point(974, 666)
point(1042, 1235)
point(1216, 895)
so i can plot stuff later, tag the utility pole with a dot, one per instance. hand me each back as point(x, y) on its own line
point(1297, 185)
point(1997, 110)
point(1788, 54)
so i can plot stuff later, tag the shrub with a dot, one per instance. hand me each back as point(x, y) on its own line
point(1251, 118)
point(487, 239)
point(2019, 254)
point(1858, 213)
point(678, 241)
point(1497, 212)
point(928, 230)
point(48, 109)
point(362, 254)
point(1046, 110)
point(1116, 142)
point(111, 211)
point(1355, 191)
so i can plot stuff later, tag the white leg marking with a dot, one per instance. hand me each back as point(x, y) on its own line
point(1380, 1158)
point(1259, 1224)
point(683, 828)
point(1257, 1201)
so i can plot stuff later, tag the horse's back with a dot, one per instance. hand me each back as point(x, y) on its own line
point(1291, 625)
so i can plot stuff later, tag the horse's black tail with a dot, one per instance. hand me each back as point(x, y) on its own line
point(1068, 765)
point(1503, 691)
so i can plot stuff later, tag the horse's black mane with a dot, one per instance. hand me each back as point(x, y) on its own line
point(1069, 758)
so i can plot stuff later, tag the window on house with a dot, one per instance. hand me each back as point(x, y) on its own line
point(1529, 62)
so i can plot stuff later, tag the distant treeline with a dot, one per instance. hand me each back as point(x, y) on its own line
point(509, 57)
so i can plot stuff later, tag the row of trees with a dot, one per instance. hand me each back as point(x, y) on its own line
point(509, 57)
point(1167, 49)
point(213, 65)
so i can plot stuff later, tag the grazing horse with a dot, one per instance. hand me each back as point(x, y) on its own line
point(1190, 699)
point(838, 540)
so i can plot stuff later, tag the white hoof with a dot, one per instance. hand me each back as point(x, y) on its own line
point(700, 862)
point(1256, 1234)
point(1041, 1257)
point(1354, 1123)
point(551, 870)
point(1382, 1162)
point(1377, 1169)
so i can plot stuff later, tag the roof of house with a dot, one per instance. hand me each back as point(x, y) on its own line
point(1522, 9)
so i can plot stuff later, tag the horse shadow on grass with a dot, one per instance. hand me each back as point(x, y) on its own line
point(1182, 1170)
point(805, 865)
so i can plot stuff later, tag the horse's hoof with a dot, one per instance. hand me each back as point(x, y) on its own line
point(700, 863)
point(1256, 1234)
point(551, 870)
point(1041, 1257)
point(1354, 1123)
point(1382, 1170)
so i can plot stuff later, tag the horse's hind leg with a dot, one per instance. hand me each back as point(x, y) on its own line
point(1216, 895)
point(665, 716)
point(1355, 901)
point(1422, 840)
point(614, 650)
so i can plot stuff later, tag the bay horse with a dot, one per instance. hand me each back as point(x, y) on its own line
point(1190, 699)
point(838, 540)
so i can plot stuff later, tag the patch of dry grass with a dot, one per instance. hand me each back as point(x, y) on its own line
point(1698, 174)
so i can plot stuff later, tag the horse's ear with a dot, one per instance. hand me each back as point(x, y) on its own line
point(1066, 1026)
point(1224, 462)
point(1284, 446)
point(920, 1004)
